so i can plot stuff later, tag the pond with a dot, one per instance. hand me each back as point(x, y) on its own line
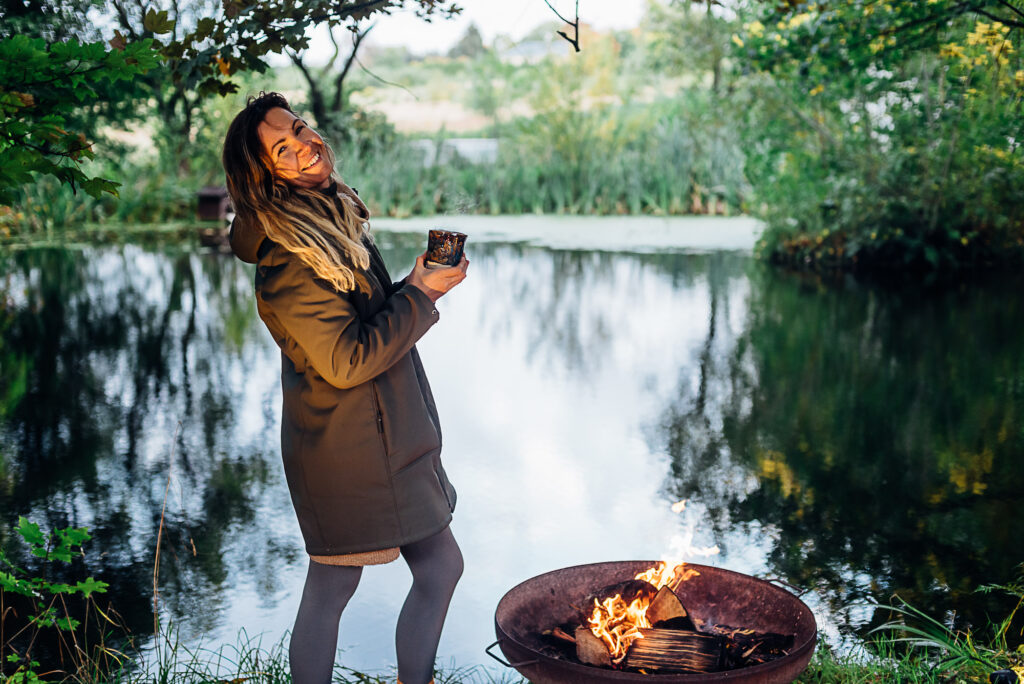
point(856, 440)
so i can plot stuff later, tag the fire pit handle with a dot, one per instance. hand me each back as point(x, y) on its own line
point(793, 588)
point(503, 661)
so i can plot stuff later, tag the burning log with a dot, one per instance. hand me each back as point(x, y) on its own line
point(616, 620)
point(630, 590)
point(672, 650)
point(666, 606)
point(642, 624)
point(590, 649)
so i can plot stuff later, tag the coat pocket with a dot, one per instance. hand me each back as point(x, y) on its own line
point(407, 424)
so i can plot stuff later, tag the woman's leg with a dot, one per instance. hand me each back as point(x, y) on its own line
point(315, 636)
point(436, 565)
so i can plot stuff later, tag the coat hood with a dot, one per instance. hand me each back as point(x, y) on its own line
point(247, 235)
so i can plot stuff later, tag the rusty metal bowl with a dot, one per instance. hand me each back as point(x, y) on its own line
point(716, 596)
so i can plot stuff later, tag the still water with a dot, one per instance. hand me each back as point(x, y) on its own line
point(856, 440)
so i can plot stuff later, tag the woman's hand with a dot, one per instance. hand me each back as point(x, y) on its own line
point(435, 282)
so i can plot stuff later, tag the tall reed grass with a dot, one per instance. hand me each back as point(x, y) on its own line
point(663, 159)
point(667, 158)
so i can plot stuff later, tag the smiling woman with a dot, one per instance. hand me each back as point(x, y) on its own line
point(360, 435)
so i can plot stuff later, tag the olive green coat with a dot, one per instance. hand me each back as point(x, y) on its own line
point(360, 436)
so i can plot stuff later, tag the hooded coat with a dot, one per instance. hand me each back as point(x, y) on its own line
point(360, 435)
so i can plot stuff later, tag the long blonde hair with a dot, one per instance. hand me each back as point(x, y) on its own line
point(324, 233)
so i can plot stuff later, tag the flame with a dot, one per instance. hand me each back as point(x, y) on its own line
point(618, 623)
point(664, 575)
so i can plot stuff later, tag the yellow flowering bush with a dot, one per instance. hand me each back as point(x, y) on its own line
point(894, 124)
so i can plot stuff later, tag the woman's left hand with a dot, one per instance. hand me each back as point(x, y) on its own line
point(435, 282)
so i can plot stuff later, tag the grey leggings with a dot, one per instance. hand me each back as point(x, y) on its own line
point(436, 565)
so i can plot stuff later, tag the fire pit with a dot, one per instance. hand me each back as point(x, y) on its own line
point(715, 596)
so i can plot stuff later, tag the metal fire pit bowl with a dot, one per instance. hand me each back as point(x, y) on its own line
point(716, 596)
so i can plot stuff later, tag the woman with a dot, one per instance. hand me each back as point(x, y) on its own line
point(360, 437)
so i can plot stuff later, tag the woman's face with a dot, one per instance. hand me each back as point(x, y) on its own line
point(297, 154)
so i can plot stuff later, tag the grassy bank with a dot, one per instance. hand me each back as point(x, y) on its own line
point(60, 620)
point(250, 661)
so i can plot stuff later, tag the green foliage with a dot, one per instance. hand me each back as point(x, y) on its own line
point(887, 133)
point(588, 146)
point(688, 37)
point(40, 85)
point(664, 159)
point(48, 603)
point(960, 653)
point(48, 77)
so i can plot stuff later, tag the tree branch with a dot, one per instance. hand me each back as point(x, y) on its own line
point(385, 81)
point(575, 40)
point(1007, 22)
point(337, 50)
point(339, 82)
point(369, 6)
point(1013, 8)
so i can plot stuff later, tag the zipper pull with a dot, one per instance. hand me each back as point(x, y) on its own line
point(380, 423)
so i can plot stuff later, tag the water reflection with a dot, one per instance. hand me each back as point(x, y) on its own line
point(858, 440)
point(129, 365)
point(876, 431)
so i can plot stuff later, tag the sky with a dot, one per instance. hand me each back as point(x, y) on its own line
point(514, 18)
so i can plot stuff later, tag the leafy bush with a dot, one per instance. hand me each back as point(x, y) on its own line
point(39, 611)
point(886, 135)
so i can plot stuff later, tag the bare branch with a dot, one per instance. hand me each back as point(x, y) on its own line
point(385, 81)
point(339, 82)
point(575, 40)
point(559, 15)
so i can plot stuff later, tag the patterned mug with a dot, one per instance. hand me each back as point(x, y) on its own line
point(444, 248)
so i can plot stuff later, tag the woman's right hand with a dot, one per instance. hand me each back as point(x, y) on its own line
point(435, 282)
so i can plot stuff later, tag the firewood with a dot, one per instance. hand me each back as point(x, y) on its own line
point(628, 590)
point(590, 649)
point(560, 633)
point(670, 650)
point(683, 623)
point(745, 647)
point(665, 606)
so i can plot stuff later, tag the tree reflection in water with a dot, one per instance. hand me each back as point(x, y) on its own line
point(116, 351)
point(872, 434)
point(877, 433)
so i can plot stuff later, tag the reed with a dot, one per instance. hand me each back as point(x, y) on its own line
point(249, 659)
point(882, 664)
point(663, 159)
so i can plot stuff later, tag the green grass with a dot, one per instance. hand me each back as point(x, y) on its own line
point(862, 667)
point(250, 660)
point(913, 649)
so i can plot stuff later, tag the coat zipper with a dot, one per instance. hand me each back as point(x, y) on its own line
point(384, 449)
point(444, 490)
point(380, 416)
